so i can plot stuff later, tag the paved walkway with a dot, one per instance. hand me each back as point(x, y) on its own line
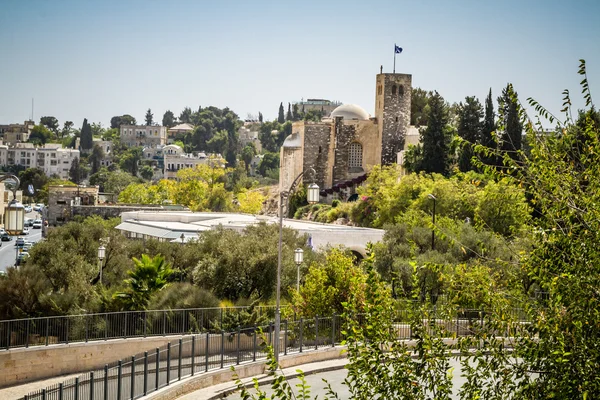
point(16, 392)
point(225, 389)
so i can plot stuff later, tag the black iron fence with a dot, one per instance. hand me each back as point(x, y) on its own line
point(103, 326)
point(150, 371)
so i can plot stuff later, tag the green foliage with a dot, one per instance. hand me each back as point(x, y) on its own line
point(239, 265)
point(436, 137)
point(269, 162)
point(470, 126)
point(50, 123)
point(149, 117)
point(419, 106)
point(78, 171)
point(179, 295)
point(147, 172)
point(40, 135)
point(168, 119)
point(510, 122)
point(129, 160)
point(244, 317)
point(35, 177)
point(95, 158)
point(86, 137)
point(126, 119)
point(329, 285)
point(149, 276)
point(280, 115)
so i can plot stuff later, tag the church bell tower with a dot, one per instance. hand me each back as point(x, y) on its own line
point(392, 110)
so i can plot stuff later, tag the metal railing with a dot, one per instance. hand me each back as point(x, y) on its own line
point(150, 371)
point(66, 329)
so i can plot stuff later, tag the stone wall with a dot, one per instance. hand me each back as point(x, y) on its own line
point(35, 363)
point(392, 109)
point(317, 139)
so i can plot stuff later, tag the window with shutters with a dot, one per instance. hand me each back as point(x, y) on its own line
point(355, 155)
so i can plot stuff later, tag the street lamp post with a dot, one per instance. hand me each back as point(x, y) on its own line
point(101, 254)
point(432, 197)
point(312, 196)
point(298, 258)
point(182, 237)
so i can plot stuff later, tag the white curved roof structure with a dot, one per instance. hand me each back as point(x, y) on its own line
point(350, 111)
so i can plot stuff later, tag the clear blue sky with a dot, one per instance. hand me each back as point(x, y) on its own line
point(97, 59)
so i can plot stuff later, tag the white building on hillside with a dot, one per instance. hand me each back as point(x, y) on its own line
point(175, 159)
point(52, 158)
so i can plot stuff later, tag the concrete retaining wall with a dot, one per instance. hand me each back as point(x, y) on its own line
point(23, 365)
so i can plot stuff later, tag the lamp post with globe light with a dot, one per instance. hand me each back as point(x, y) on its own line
point(312, 196)
point(432, 197)
point(298, 258)
point(101, 254)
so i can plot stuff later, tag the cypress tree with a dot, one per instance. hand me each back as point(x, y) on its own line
point(488, 133)
point(436, 137)
point(511, 140)
point(149, 117)
point(288, 116)
point(86, 139)
point(470, 127)
point(281, 117)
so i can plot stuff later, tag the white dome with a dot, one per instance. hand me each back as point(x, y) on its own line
point(350, 111)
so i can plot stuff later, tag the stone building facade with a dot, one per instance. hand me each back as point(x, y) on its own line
point(62, 199)
point(345, 146)
point(142, 135)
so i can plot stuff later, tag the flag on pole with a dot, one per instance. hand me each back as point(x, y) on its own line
point(397, 49)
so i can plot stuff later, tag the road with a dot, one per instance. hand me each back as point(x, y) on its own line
point(8, 252)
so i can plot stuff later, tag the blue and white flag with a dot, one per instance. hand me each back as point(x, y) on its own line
point(397, 49)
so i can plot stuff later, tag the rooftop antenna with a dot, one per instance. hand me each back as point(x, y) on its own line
point(381, 69)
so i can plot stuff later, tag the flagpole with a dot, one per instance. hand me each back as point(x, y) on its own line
point(394, 58)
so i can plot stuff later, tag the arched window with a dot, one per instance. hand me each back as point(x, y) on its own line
point(355, 155)
point(401, 91)
point(393, 90)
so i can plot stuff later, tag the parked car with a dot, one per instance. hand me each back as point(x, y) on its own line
point(38, 207)
point(5, 237)
point(25, 230)
point(19, 242)
point(22, 257)
point(2, 231)
point(28, 209)
point(28, 222)
point(37, 224)
point(27, 246)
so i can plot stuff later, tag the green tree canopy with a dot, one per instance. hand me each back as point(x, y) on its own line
point(435, 138)
point(149, 118)
point(168, 119)
point(281, 114)
point(50, 123)
point(470, 127)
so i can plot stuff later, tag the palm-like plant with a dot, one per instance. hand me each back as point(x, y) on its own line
point(149, 276)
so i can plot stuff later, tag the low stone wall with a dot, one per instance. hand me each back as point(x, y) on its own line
point(23, 365)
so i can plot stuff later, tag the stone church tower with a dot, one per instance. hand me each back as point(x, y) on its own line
point(343, 147)
point(392, 110)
